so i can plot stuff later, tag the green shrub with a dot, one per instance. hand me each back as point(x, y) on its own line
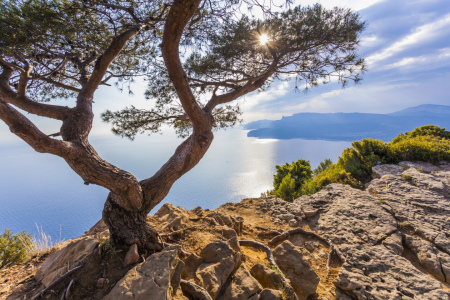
point(428, 143)
point(324, 165)
point(427, 130)
point(286, 190)
point(14, 248)
point(422, 148)
point(333, 174)
point(300, 171)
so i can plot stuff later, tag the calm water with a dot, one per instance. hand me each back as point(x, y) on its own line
point(40, 189)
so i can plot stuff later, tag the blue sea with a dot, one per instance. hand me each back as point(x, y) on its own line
point(40, 190)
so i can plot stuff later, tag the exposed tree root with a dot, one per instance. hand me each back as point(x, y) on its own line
point(290, 294)
point(178, 231)
point(195, 291)
point(285, 235)
point(68, 273)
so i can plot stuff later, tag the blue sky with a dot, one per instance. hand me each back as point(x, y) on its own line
point(407, 49)
point(407, 46)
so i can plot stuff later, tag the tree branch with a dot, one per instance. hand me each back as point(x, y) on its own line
point(9, 96)
point(27, 131)
point(179, 15)
point(249, 87)
point(59, 84)
point(103, 62)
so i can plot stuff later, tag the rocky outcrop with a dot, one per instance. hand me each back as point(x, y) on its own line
point(157, 278)
point(296, 268)
point(379, 171)
point(395, 236)
point(71, 255)
point(391, 241)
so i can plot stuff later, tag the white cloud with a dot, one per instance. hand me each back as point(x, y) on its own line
point(257, 98)
point(422, 34)
point(353, 4)
point(437, 59)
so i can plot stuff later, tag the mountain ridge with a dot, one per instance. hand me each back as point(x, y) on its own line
point(350, 126)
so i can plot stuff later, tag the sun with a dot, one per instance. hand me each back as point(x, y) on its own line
point(263, 39)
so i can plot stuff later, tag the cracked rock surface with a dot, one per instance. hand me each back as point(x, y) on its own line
point(395, 236)
point(150, 280)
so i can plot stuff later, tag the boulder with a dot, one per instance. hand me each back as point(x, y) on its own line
point(71, 255)
point(191, 264)
point(379, 171)
point(268, 278)
point(132, 255)
point(268, 294)
point(212, 276)
point(215, 252)
point(293, 263)
point(243, 286)
point(156, 278)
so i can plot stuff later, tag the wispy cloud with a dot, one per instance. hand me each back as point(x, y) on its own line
point(437, 59)
point(422, 34)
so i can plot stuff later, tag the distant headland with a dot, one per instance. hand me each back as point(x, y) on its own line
point(350, 126)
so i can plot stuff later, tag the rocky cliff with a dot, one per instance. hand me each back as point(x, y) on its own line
point(391, 241)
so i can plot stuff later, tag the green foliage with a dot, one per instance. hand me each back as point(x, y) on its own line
point(299, 171)
point(364, 154)
point(108, 248)
point(286, 189)
point(428, 143)
point(427, 130)
point(14, 248)
point(422, 148)
point(322, 166)
point(407, 177)
point(334, 174)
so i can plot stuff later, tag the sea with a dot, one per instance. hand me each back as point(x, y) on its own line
point(40, 193)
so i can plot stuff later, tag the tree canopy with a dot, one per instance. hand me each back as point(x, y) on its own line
point(197, 57)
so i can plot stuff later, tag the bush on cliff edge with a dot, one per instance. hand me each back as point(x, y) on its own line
point(428, 143)
point(14, 248)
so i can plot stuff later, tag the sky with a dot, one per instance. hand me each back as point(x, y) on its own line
point(406, 44)
point(407, 48)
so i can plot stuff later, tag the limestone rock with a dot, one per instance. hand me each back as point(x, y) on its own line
point(175, 224)
point(132, 255)
point(379, 171)
point(293, 223)
point(425, 166)
point(368, 228)
point(232, 237)
point(394, 243)
point(212, 276)
point(70, 256)
point(151, 279)
point(376, 273)
point(268, 294)
point(215, 252)
point(434, 261)
point(290, 259)
point(243, 286)
point(191, 264)
point(268, 278)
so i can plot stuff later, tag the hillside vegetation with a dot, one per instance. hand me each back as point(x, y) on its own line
point(428, 143)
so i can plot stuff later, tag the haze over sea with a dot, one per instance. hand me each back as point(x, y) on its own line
point(41, 189)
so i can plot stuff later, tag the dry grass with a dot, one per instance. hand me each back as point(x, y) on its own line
point(43, 243)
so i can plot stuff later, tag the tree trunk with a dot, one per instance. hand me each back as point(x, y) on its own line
point(130, 227)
